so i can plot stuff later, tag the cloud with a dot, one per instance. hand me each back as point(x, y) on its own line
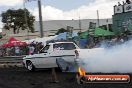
point(105, 8)
point(10, 2)
point(49, 13)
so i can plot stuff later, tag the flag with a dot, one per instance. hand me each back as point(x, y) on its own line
point(92, 25)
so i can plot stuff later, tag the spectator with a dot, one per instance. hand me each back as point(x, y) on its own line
point(17, 51)
point(1, 52)
point(119, 4)
point(8, 51)
point(128, 1)
point(31, 50)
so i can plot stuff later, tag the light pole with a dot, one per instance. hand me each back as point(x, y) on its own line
point(98, 18)
point(25, 17)
point(40, 19)
point(107, 24)
point(80, 24)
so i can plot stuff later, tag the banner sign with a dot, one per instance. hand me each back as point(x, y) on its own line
point(92, 25)
point(118, 9)
point(127, 7)
point(69, 32)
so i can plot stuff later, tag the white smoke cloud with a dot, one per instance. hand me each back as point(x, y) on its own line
point(116, 59)
point(89, 11)
point(1, 26)
point(10, 2)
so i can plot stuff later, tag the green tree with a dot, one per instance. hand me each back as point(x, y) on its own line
point(61, 30)
point(15, 19)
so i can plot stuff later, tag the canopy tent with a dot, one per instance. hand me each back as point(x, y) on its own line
point(13, 42)
point(102, 32)
point(83, 35)
point(97, 32)
point(63, 36)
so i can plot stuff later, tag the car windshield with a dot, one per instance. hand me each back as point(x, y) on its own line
point(45, 49)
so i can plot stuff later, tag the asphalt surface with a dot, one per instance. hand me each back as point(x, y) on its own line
point(16, 77)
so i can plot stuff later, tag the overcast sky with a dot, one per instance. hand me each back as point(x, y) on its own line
point(65, 9)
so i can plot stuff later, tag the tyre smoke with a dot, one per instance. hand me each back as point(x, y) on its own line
point(108, 60)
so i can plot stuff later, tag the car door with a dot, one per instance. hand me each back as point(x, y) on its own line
point(42, 58)
point(65, 51)
point(69, 49)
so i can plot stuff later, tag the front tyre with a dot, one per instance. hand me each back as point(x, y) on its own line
point(30, 66)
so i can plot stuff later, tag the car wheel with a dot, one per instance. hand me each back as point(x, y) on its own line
point(30, 66)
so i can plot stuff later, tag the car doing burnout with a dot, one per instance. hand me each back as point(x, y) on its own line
point(48, 55)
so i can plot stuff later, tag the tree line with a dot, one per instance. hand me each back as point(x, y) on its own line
point(20, 19)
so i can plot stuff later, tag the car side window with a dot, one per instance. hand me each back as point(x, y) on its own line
point(58, 47)
point(45, 49)
point(64, 46)
point(69, 46)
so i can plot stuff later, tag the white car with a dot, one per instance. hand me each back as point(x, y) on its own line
point(48, 55)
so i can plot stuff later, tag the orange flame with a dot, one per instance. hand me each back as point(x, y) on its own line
point(81, 71)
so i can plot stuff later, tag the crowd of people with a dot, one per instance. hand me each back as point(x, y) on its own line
point(125, 2)
point(28, 49)
point(94, 42)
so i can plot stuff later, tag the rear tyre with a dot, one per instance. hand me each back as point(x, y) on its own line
point(30, 66)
